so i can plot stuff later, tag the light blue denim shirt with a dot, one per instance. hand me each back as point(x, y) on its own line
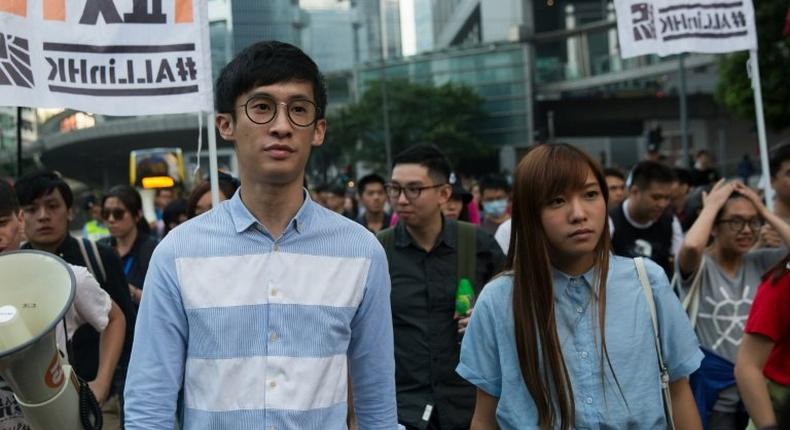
point(489, 359)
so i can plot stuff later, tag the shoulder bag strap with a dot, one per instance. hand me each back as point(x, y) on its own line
point(651, 305)
point(98, 259)
point(691, 299)
point(387, 239)
point(88, 261)
point(467, 252)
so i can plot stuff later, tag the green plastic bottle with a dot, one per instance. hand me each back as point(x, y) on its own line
point(464, 297)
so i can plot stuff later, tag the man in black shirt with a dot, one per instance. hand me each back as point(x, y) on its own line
point(373, 198)
point(423, 251)
point(641, 225)
point(46, 202)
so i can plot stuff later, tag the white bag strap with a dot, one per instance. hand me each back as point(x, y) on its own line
point(664, 373)
point(691, 299)
point(89, 262)
point(99, 260)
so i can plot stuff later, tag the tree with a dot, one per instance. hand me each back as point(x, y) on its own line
point(735, 89)
point(445, 115)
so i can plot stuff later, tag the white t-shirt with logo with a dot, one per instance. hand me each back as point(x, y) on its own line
point(91, 306)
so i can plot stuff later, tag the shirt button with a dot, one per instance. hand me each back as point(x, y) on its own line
point(589, 400)
point(579, 309)
point(274, 337)
point(273, 384)
point(584, 354)
point(274, 292)
point(276, 247)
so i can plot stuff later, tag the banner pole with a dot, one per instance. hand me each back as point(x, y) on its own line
point(684, 115)
point(18, 142)
point(754, 64)
point(212, 159)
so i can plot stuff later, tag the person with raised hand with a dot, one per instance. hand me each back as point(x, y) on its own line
point(719, 273)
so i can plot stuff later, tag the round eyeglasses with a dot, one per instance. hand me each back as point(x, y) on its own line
point(412, 192)
point(738, 224)
point(263, 109)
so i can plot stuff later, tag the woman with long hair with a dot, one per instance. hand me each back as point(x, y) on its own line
point(130, 235)
point(564, 337)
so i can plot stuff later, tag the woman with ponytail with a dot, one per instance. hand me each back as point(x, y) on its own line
point(564, 338)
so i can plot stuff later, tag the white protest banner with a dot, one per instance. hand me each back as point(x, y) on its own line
point(667, 27)
point(114, 57)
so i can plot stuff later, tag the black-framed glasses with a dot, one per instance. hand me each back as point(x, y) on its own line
point(263, 109)
point(738, 224)
point(116, 213)
point(412, 192)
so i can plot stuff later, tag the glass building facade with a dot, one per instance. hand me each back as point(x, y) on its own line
point(498, 75)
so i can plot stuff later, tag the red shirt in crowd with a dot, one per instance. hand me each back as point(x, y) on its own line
point(770, 317)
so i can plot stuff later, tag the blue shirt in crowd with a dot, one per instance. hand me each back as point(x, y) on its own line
point(262, 333)
point(489, 359)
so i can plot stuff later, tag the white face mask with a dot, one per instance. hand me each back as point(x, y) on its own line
point(495, 208)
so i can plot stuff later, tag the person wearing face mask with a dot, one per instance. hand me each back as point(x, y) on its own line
point(495, 197)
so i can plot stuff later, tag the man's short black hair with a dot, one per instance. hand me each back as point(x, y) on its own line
point(683, 176)
point(611, 171)
point(8, 202)
point(494, 182)
point(647, 172)
point(369, 179)
point(38, 184)
point(337, 188)
point(267, 63)
point(428, 156)
point(779, 155)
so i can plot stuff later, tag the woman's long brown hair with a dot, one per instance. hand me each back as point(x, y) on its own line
point(546, 171)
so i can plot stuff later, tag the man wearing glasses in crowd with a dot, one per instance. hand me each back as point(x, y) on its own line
point(263, 309)
point(423, 253)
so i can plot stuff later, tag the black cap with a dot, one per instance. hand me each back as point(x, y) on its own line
point(459, 192)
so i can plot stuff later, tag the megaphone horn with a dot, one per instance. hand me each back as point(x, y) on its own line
point(36, 292)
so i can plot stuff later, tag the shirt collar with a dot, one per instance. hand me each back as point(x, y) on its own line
point(563, 280)
point(446, 236)
point(243, 219)
point(631, 220)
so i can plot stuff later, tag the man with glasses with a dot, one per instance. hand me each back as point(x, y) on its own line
point(423, 251)
point(265, 311)
point(46, 201)
point(729, 271)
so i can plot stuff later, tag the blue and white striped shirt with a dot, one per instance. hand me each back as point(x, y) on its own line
point(261, 333)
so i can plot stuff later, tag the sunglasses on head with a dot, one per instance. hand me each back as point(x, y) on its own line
point(116, 213)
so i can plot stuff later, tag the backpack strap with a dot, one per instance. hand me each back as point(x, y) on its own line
point(90, 254)
point(467, 251)
point(651, 305)
point(387, 239)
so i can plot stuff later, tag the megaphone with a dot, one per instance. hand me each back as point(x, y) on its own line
point(36, 291)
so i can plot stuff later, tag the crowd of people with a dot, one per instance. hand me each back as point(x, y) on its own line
point(602, 299)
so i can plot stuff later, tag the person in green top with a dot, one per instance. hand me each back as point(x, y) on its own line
point(94, 229)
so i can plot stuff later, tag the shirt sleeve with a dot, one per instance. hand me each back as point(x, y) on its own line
point(766, 258)
point(502, 235)
point(91, 304)
point(371, 350)
point(768, 315)
point(679, 344)
point(156, 369)
point(479, 361)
